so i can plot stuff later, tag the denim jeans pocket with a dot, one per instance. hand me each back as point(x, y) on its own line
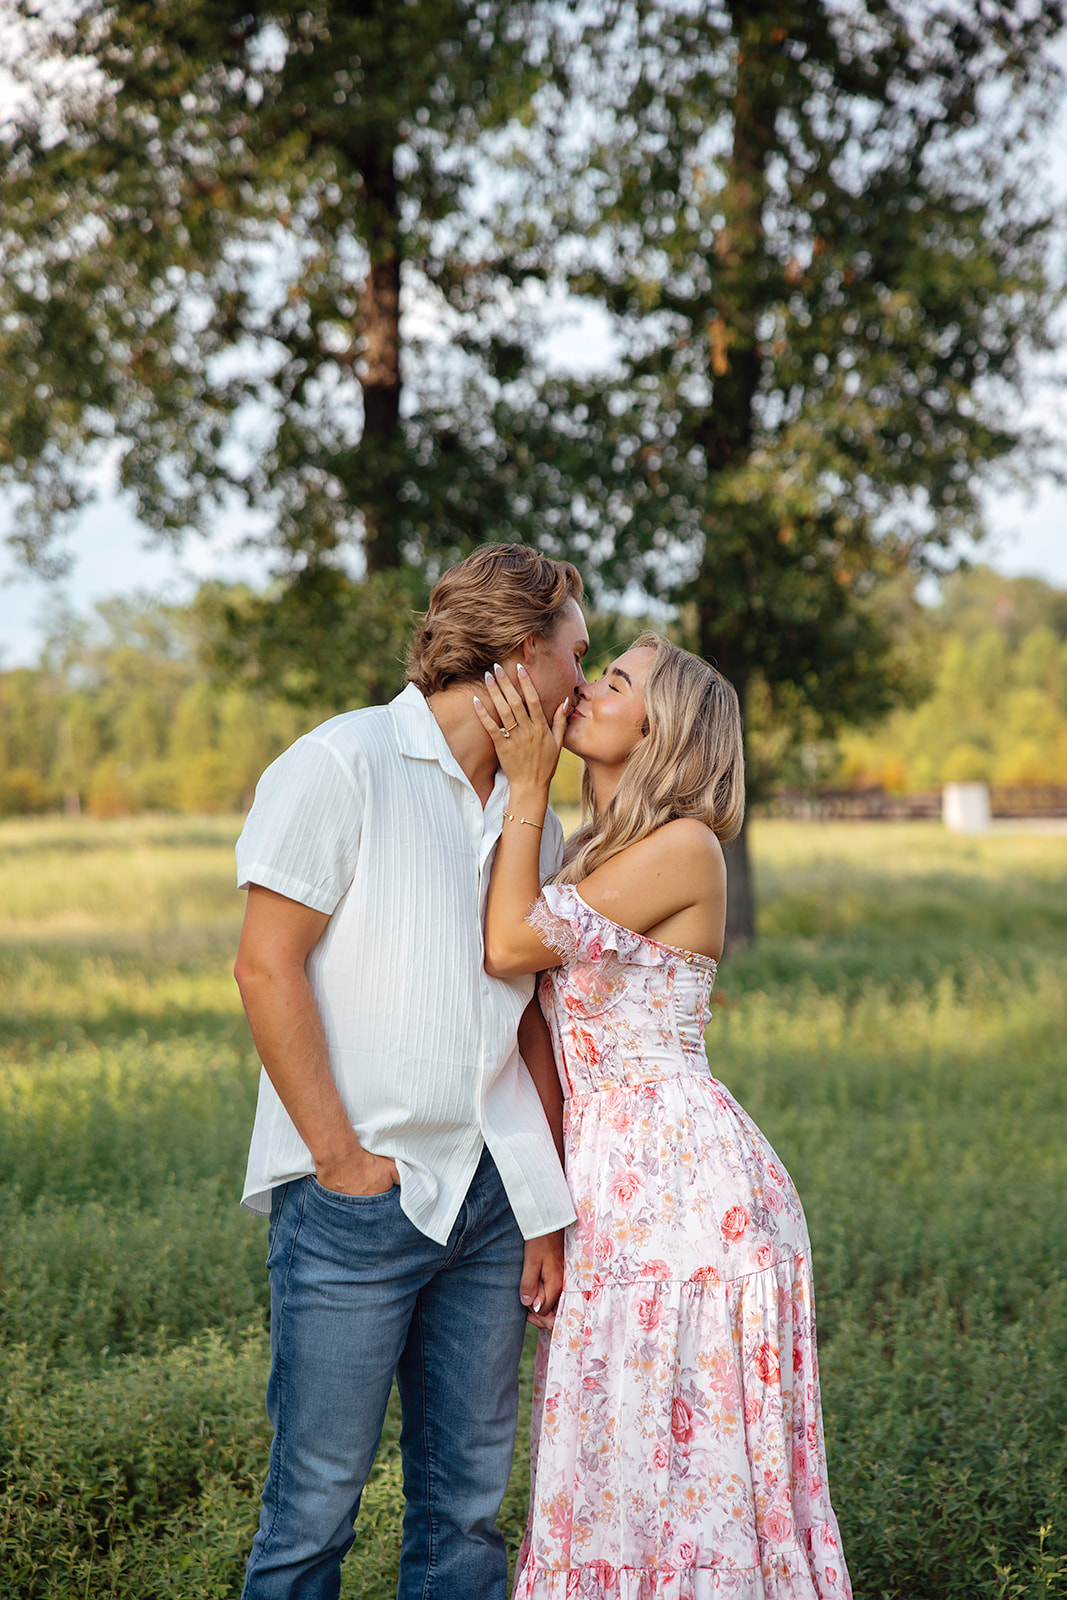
point(357, 1201)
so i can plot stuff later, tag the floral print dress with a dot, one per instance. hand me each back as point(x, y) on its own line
point(677, 1434)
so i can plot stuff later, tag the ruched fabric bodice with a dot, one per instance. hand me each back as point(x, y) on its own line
point(623, 1009)
point(677, 1436)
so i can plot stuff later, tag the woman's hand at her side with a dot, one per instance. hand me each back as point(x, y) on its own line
point(527, 745)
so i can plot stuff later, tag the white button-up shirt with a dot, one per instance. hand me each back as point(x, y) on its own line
point(371, 819)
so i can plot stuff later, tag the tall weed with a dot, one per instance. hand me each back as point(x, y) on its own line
point(898, 1033)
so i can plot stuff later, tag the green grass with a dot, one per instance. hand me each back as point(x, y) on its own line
point(898, 1033)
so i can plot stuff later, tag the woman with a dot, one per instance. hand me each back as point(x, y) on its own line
point(678, 1448)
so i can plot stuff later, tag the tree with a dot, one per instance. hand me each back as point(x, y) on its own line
point(120, 717)
point(214, 218)
point(810, 225)
point(26, 742)
point(997, 707)
point(814, 230)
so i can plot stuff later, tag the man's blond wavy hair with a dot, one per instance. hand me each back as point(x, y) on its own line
point(482, 609)
point(691, 763)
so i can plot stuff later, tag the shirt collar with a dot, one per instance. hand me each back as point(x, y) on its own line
point(418, 736)
point(417, 733)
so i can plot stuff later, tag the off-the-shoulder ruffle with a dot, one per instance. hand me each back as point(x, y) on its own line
point(555, 931)
point(573, 929)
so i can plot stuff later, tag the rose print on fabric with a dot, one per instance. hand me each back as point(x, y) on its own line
point(625, 1187)
point(766, 1364)
point(649, 1313)
point(734, 1223)
point(677, 1435)
point(682, 1423)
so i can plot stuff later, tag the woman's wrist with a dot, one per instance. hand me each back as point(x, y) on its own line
point(530, 802)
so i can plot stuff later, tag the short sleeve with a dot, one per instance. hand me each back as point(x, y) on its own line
point(551, 857)
point(301, 837)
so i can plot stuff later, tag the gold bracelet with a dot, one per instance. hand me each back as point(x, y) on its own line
point(509, 816)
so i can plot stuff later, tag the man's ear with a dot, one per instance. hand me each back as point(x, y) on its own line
point(529, 647)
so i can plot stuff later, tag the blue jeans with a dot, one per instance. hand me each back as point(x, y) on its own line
point(358, 1293)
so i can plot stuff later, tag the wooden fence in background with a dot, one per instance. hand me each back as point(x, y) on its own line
point(878, 805)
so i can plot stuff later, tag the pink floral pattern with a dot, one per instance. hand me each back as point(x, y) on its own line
point(677, 1434)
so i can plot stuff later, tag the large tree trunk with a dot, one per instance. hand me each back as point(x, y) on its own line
point(740, 894)
point(379, 326)
point(726, 604)
point(740, 888)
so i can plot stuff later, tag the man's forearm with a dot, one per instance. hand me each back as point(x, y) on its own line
point(271, 971)
point(288, 1034)
point(535, 1047)
point(287, 1029)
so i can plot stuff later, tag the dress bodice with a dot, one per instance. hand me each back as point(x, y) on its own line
point(622, 1008)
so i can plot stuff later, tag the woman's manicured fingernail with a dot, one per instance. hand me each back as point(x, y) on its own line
point(498, 668)
point(521, 670)
point(477, 702)
point(489, 679)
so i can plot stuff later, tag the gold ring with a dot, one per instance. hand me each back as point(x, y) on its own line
point(506, 732)
point(510, 729)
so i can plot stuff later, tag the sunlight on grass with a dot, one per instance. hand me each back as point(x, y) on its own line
point(64, 878)
point(898, 1032)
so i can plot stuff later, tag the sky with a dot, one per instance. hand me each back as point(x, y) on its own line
point(114, 554)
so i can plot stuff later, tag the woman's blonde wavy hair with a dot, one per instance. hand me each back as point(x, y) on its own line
point(691, 763)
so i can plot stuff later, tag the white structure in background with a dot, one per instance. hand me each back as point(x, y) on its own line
point(965, 807)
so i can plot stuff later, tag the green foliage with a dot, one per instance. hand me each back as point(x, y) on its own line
point(814, 237)
point(121, 717)
point(321, 641)
point(898, 1035)
point(140, 1479)
point(823, 263)
point(812, 229)
point(212, 219)
point(153, 708)
point(997, 710)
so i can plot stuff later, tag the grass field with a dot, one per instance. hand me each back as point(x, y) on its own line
point(899, 1033)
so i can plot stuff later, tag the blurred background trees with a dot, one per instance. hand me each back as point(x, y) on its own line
point(120, 716)
point(309, 261)
point(996, 658)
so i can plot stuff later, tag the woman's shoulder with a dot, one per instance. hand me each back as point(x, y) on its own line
point(683, 840)
point(681, 861)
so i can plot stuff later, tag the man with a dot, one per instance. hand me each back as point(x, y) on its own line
point(408, 1156)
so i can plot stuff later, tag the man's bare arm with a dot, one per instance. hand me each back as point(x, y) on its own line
point(542, 1268)
point(277, 937)
point(535, 1048)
